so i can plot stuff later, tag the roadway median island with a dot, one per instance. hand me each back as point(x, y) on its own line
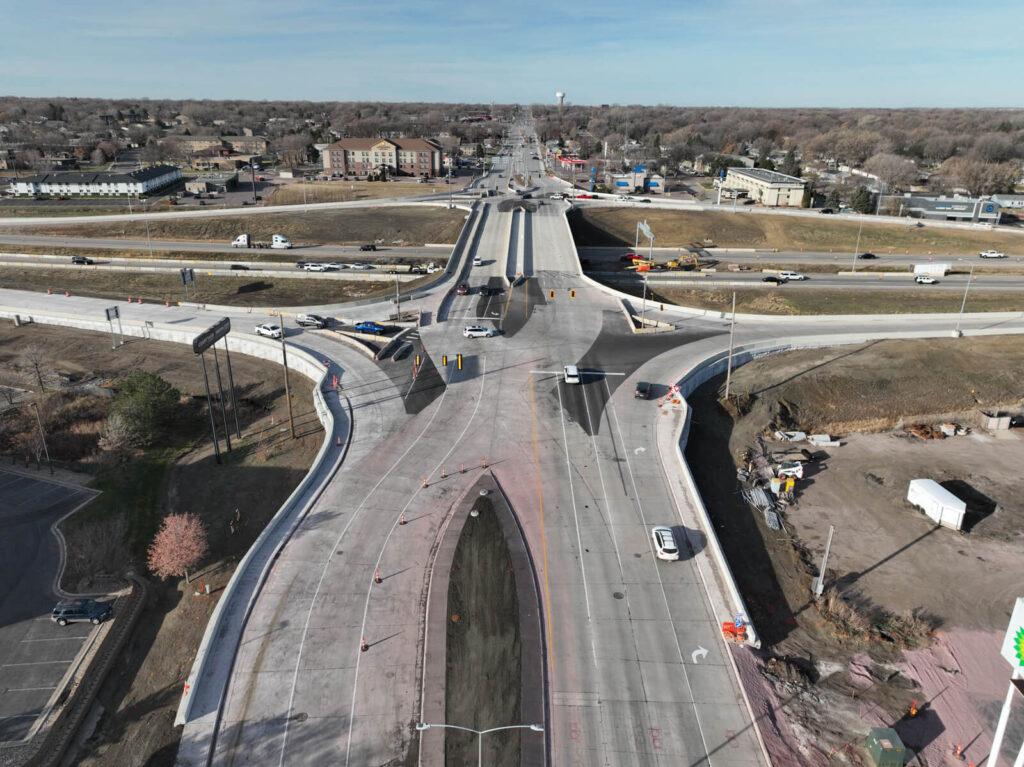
point(867, 652)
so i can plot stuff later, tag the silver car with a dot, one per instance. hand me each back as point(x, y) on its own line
point(477, 331)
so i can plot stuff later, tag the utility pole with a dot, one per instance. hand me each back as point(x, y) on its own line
point(284, 360)
point(819, 582)
point(732, 335)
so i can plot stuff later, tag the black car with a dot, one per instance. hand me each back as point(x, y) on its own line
point(826, 211)
point(642, 390)
point(72, 610)
point(81, 260)
point(867, 256)
point(239, 268)
point(367, 247)
point(776, 280)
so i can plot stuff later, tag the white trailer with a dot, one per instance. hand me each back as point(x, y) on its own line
point(932, 270)
point(937, 503)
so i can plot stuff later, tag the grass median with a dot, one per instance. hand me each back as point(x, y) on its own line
point(680, 228)
point(405, 225)
point(244, 290)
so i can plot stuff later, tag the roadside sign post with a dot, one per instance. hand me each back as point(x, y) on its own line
point(188, 275)
point(114, 313)
point(200, 344)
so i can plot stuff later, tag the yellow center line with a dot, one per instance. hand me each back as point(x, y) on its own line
point(543, 535)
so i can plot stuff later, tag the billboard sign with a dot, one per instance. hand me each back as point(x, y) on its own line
point(211, 335)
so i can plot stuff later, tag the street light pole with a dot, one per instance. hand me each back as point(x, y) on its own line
point(970, 279)
point(42, 436)
point(421, 726)
point(857, 246)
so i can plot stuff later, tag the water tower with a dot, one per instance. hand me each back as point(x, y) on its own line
point(561, 99)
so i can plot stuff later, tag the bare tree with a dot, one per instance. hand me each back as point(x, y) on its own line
point(178, 546)
point(894, 171)
point(36, 358)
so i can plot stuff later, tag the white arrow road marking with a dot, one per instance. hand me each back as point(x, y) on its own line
point(699, 651)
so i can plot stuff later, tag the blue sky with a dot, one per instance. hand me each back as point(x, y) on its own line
point(785, 53)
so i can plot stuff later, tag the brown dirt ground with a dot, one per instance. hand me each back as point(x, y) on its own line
point(888, 561)
point(140, 697)
point(617, 226)
point(412, 225)
point(345, 191)
point(246, 290)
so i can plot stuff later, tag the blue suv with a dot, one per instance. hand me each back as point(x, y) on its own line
point(71, 610)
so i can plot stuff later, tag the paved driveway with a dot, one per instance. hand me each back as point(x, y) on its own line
point(35, 653)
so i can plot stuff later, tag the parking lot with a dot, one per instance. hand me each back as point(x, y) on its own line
point(35, 653)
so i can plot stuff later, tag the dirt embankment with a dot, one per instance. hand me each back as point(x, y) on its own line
point(833, 668)
point(483, 655)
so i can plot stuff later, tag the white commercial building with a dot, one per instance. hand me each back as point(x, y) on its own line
point(137, 182)
point(767, 187)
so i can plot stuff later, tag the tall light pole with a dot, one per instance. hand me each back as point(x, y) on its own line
point(857, 246)
point(970, 279)
point(421, 726)
point(42, 435)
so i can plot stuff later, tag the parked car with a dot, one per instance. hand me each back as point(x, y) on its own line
point(462, 289)
point(867, 256)
point(477, 331)
point(311, 321)
point(992, 254)
point(74, 610)
point(572, 374)
point(269, 330)
point(367, 247)
point(371, 327)
point(665, 543)
point(642, 390)
point(826, 211)
point(81, 260)
point(774, 280)
point(924, 279)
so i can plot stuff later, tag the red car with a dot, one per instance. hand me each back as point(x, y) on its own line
point(462, 289)
point(631, 256)
point(586, 197)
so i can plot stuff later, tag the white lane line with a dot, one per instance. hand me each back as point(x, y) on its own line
point(36, 663)
point(661, 584)
point(572, 494)
point(28, 689)
point(380, 556)
point(328, 562)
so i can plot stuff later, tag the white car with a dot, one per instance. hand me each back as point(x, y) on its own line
point(924, 279)
point(477, 331)
point(572, 374)
point(337, 266)
point(792, 276)
point(992, 254)
point(316, 267)
point(269, 330)
point(665, 543)
point(556, 196)
point(622, 198)
point(360, 266)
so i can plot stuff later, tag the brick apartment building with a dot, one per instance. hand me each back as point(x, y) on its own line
point(399, 157)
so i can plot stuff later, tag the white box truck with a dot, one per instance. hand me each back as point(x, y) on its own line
point(937, 503)
point(932, 270)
